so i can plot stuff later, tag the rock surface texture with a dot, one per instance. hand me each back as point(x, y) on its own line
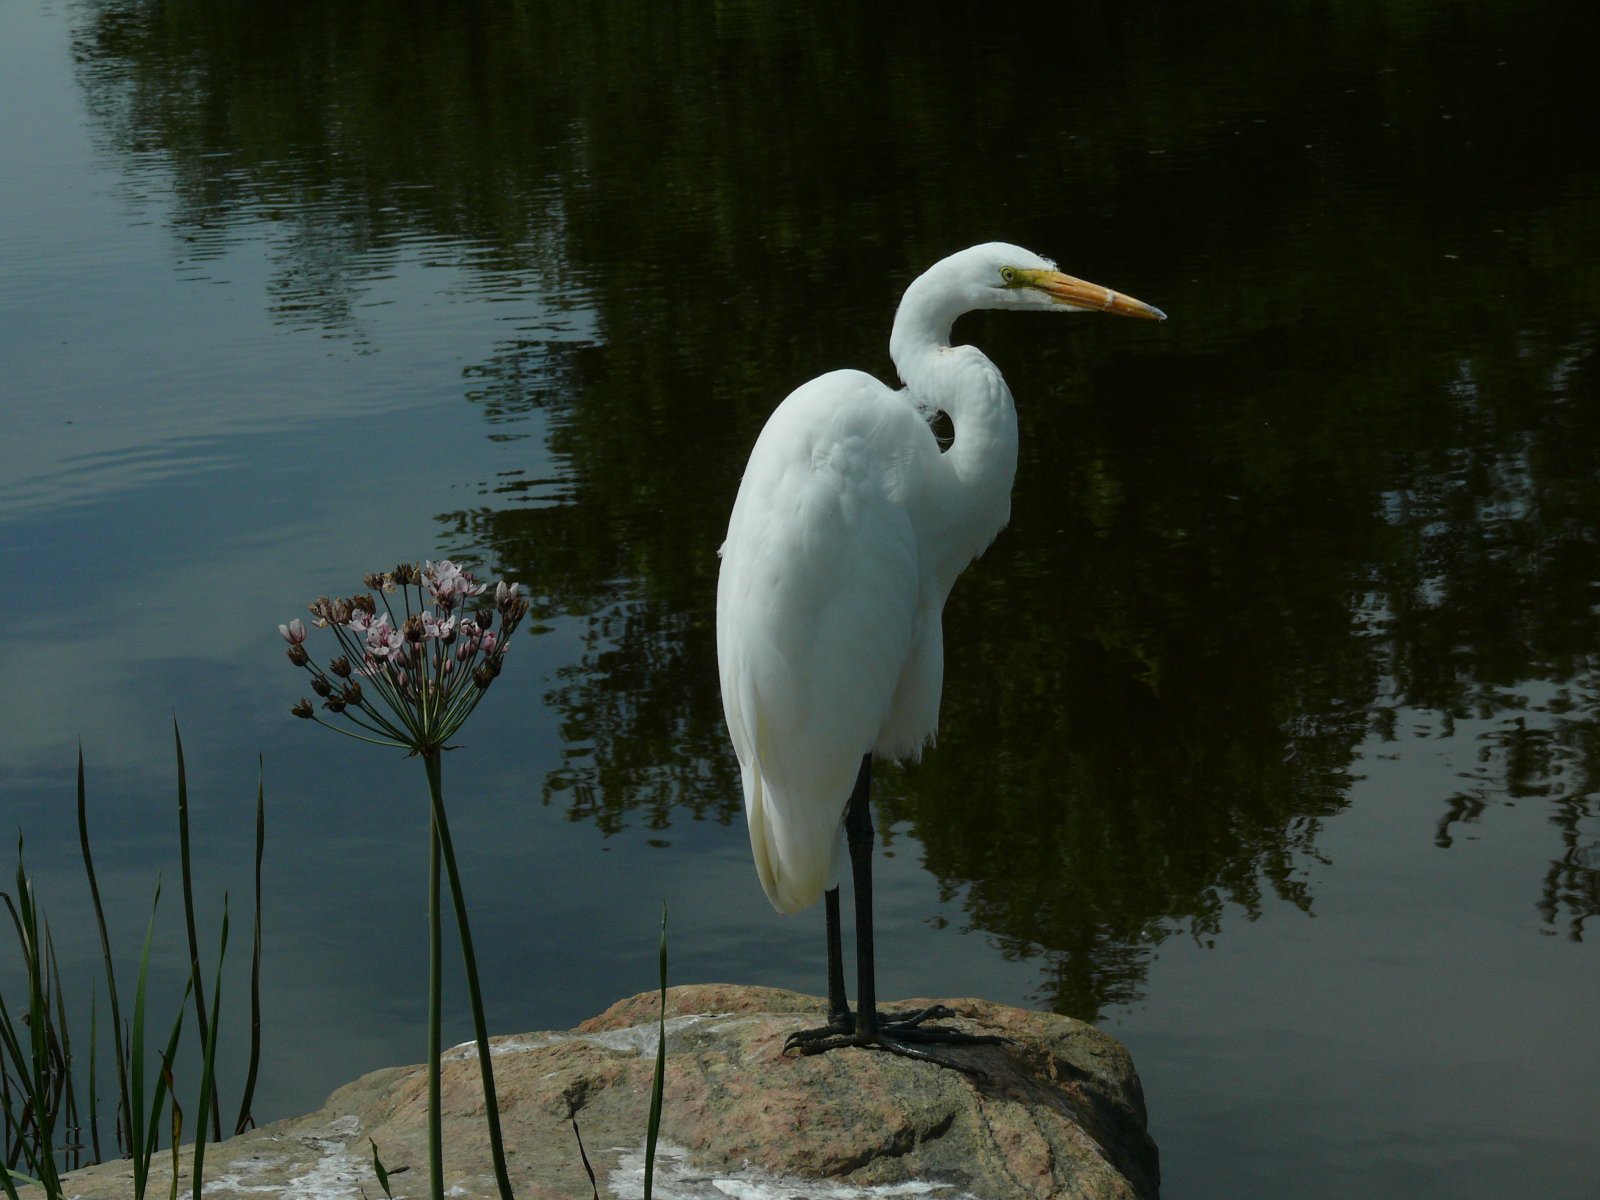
point(1058, 1112)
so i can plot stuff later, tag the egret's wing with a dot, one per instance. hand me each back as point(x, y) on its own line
point(816, 605)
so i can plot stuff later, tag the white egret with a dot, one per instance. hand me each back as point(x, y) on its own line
point(848, 532)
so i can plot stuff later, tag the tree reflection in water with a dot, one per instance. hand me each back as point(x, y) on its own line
point(1355, 486)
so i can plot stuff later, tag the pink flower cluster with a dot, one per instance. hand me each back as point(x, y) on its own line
point(426, 657)
point(444, 579)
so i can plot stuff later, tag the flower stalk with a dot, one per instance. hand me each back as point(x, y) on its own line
point(416, 655)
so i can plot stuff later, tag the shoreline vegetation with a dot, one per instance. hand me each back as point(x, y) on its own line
point(49, 1127)
point(417, 652)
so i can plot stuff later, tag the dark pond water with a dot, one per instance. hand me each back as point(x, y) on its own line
point(1269, 733)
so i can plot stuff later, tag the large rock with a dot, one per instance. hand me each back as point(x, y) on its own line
point(1058, 1112)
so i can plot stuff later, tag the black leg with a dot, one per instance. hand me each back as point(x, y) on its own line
point(838, 1006)
point(887, 1031)
point(858, 837)
point(841, 1021)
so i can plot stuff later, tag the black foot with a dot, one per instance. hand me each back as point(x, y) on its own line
point(836, 1032)
point(898, 1033)
point(845, 1024)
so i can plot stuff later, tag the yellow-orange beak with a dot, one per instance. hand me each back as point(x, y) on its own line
point(1080, 293)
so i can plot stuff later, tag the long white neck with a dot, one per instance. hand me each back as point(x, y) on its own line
point(971, 501)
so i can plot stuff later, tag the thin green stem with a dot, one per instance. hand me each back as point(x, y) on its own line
point(358, 737)
point(380, 682)
point(462, 703)
point(246, 1118)
point(491, 1104)
point(136, 1058)
point(44, 1116)
point(164, 1091)
point(427, 694)
point(32, 1071)
point(121, 1057)
point(63, 1041)
point(658, 1084)
point(94, 1098)
point(9, 1180)
point(208, 1067)
point(368, 718)
point(18, 1122)
point(435, 996)
point(392, 696)
point(187, 874)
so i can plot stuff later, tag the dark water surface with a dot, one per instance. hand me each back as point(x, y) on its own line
point(1269, 733)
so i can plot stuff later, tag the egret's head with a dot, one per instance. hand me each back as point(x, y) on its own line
point(999, 275)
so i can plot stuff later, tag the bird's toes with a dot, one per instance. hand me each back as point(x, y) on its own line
point(816, 1041)
point(906, 1020)
point(939, 1035)
point(902, 1046)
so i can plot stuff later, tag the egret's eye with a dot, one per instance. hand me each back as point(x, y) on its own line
point(1008, 275)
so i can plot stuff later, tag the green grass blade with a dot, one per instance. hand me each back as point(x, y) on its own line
point(177, 1126)
point(11, 1046)
point(118, 1046)
point(246, 1118)
point(188, 917)
point(94, 1095)
point(37, 1071)
point(165, 1083)
point(135, 1102)
point(594, 1185)
point(379, 1170)
point(63, 1049)
point(653, 1130)
point(9, 1180)
point(208, 1067)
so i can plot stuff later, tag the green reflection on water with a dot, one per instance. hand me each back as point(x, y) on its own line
point(1355, 473)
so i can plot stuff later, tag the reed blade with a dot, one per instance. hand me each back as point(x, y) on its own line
point(653, 1130)
point(246, 1117)
point(188, 918)
point(208, 1067)
point(119, 1047)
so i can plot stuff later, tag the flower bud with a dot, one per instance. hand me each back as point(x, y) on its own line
point(298, 656)
point(294, 632)
point(340, 667)
point(482, 676)
point(351, 693)
point(302, 708)
point(333, 704)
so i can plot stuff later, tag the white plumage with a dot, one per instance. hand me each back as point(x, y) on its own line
point(848, 532)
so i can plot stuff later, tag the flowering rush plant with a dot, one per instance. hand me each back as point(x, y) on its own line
point(416, 654)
